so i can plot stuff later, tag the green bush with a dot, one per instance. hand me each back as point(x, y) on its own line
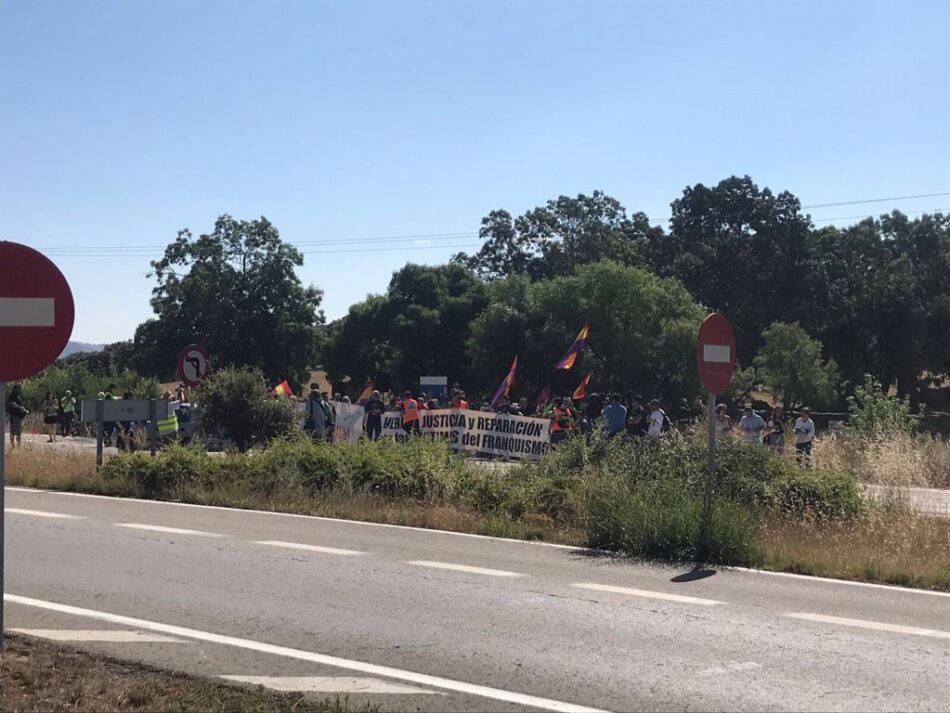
point(874, 414)
point(816, 493)
point(238, 404)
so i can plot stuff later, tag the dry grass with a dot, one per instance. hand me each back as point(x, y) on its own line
point(891, 544)
point(39, 676)
point(56, 468)
point(899, 461)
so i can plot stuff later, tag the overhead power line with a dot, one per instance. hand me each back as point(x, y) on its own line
point(373, 243)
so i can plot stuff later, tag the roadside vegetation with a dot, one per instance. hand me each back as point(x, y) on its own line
point(639, 498)
point(39, 676)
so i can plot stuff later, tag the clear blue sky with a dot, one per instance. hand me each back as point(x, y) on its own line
point(125, 121)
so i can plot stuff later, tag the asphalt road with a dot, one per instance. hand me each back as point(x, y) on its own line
point(415, 619)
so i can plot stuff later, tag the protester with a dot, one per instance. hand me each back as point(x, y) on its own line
point(410, 413)
point(346, 400)
point(67, 411)
point(562, 421)
point(804, 435)
point(657, 420)
point(331, 421)
point(319, 415)
point(486, 404)
point(108, 427)
point(423, 401)
point(637, 417)
point(615, 416)
point(594, 406)
point(17, 412)
point(775, 436)
point(723, 422)
point(123, 431)
point(50, 415)
point(751, 425)
point(458, 400)
point(373, 425)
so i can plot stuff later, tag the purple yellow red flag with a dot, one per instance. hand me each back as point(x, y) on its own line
point(366, 392)
point(504, 388)
point(581, 391)
point(572, 351)
point(541, 402)
point(283, 389)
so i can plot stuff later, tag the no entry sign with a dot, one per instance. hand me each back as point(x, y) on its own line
point(36, 311)
point(715, 353)
point(193, 364)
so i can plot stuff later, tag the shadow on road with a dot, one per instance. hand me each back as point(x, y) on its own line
point(695, 574)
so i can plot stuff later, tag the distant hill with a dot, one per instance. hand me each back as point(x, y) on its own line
point(74, 347)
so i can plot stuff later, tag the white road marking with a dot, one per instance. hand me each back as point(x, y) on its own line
point(329, 684)
point(169, 530)
point(830, 580)
point(740, 666)
point(465, 568)
point(42, 513)
point(647, 593)
point(432, 531)
point(309, 548)
point(108, 635)
point(874, 625)
point(27, 312)
point(422, 679)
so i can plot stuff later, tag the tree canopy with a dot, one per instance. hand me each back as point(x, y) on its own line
point(234, 290)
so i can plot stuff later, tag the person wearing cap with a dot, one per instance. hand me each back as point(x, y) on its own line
point(751, 425)
point(804, 435)
point(410, 413)
point(373, 423)
point(657, 420)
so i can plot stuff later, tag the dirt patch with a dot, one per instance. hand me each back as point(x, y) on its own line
point(39, 676)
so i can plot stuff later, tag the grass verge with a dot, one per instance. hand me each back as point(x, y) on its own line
point(39, 676)
point(639, 498)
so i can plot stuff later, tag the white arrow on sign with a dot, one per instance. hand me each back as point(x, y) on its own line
point(27, 312)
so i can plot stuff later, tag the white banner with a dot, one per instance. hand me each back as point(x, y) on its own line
point(479, 432)
point(349, 423)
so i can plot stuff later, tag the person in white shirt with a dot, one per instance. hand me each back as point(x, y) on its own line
point(751, 425)
point(804, 435)
point(657, 421)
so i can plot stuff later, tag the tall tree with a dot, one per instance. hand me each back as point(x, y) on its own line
point(556, 238)
point(740, 250)
point(235, 291)
point(790, 367)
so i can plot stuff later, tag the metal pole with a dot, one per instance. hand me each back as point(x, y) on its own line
point(710, 481)
point(3, 447)
point(152, 425)
point(99, 429)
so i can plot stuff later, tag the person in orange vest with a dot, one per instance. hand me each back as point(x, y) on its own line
point(562, 422)
point(458, 401)
point(410, 413)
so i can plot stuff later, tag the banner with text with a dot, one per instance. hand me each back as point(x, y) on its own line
point(479, 431)
point(349, 423)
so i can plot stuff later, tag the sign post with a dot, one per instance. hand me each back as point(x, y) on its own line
point(715, 361)
point(36, 321)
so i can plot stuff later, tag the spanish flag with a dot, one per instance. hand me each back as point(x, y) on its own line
point(572, 351)
point(504, 388)
point(366, 392)
point(581, 391)
point(283, 389)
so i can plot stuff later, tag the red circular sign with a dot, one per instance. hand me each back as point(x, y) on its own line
point(715, 353)
point(193, 364)
point(36, 312)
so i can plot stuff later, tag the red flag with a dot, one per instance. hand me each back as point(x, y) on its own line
point(283, 389)
point(542, 400)
point(581, 391)
point(572, 351)
point(504, 388)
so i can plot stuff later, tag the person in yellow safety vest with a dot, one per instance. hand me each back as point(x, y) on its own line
point(562, 422)
point(410, 413)
point(167, 427)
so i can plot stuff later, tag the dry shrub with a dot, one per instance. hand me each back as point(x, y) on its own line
point(900, 460)
point(43, 467)
point(892, 544)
